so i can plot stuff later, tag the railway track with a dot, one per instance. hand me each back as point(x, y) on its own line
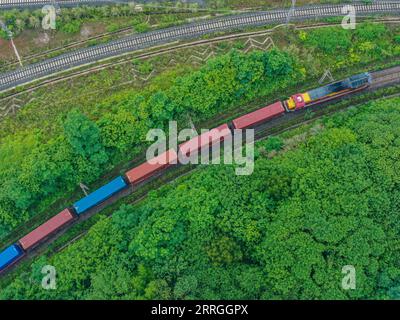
point(380, 78)
point(121, 32)
point(165, 50)
point(392, 75)
point(128, 44)
point(385, 77)
point(66, 47)
point(36, 220)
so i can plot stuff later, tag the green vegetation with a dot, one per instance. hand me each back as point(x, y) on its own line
point(274, 143)
point(284, 232)
point(69, 20)
point(45, 161)
point(40, 166)
point(265, 4)
point(35, 172)
point(340, 48)
point(89, 91)
point(70, 27)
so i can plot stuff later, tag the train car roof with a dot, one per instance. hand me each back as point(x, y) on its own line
point(99, 195)
point(258, 116)
point(207, 138)
point(8, 255)
point(151, 166)
point(46, 228)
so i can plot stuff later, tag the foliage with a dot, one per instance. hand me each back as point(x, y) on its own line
point(69, 20)
point(70, 27)
point(83, 135)
point(274, 232)
point(141, 27)
point(274, 143)
point(368, 42)
point(86, 148)
point(284, 232)
point(4, 34)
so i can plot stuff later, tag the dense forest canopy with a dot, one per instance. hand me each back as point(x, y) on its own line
point(35, 170)
point(38, 168)
point(286, 231)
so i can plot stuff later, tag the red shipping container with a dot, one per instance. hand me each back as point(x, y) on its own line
point(46, 229)
point(206, 139)
point(254, 118)
point(152, 166)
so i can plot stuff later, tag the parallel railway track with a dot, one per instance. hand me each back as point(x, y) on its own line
point(165, 50)
point(34, 221)
point(128, 44)
point(57, 78)
point(380, 78)
point(66, 47)
point(385, 77)
point(290, 120)
point(121, 32)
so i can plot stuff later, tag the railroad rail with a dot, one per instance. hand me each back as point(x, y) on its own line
point(164, 50)
point(380, 78)
point(131, 43)
point(385, 77)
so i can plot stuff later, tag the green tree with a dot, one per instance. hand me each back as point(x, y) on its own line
point(84, 137)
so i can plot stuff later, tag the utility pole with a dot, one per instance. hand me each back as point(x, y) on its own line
point(327, 74)
point(10, 37)
point(84, 188)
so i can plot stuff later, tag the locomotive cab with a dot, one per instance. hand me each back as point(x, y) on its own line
point(329, 92)
point(297, 101)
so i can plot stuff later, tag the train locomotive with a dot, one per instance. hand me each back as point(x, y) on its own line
point(328, 92)
point(151, 168)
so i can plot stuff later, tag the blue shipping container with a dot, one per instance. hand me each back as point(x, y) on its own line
point(99, 195)
point(9, 255)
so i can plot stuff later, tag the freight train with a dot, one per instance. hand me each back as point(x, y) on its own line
point(157, 165)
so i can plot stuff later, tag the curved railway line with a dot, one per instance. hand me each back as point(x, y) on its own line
point(137, 161)
point(128, 44)
point(380, 78)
